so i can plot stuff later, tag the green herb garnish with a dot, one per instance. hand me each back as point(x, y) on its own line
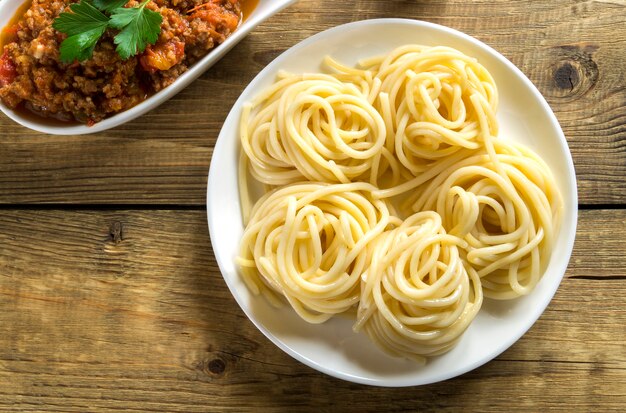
point(109, 5)
point(89, 19)
point(137, 29)
point(84, 27)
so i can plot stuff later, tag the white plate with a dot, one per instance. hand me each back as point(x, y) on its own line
point(332, 347)
point(264, 10)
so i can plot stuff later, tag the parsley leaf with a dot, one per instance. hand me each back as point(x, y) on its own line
point(79, 47)
point(139, 26)
point(109, 5)
point(84, 26)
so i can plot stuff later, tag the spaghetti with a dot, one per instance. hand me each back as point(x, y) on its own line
point(415, 129)
point(506, 207)
point(417, 298)
point(304, 242)
point(311, 127)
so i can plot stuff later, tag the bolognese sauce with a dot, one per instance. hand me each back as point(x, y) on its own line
point(33, 77)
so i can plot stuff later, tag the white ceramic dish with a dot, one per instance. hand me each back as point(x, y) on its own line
point(264, 10)
point(332, 347)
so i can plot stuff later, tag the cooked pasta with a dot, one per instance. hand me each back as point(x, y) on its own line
point(506, 207)
point(425, 100)
point(414, 130)
point(312, 127)
point(417, 298)
point(304, 241)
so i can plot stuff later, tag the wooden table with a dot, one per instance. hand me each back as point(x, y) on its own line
point(111, 299)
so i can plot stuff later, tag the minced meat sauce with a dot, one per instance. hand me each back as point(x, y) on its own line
point(33, 77)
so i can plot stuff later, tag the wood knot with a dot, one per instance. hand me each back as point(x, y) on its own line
point(116, 232)
point(566, 77)
point(217, 366)
point(211, 366)
point(575, 72)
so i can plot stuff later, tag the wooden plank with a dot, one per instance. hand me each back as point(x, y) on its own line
point(126, 311)
point(572, 51)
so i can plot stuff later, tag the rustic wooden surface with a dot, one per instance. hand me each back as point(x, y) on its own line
point(111, 299)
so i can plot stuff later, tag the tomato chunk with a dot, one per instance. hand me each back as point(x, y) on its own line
point(162, 56)
point(8, 72)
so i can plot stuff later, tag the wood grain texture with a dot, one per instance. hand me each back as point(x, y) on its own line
point(574, 51)
point(125, 311)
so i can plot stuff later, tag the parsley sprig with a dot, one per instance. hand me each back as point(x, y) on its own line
point(89, 19)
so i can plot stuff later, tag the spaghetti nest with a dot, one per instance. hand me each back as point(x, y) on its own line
point(311, 127)
point(304, 242)
point(426, 100)
point(505, 206)
point(417, 297)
